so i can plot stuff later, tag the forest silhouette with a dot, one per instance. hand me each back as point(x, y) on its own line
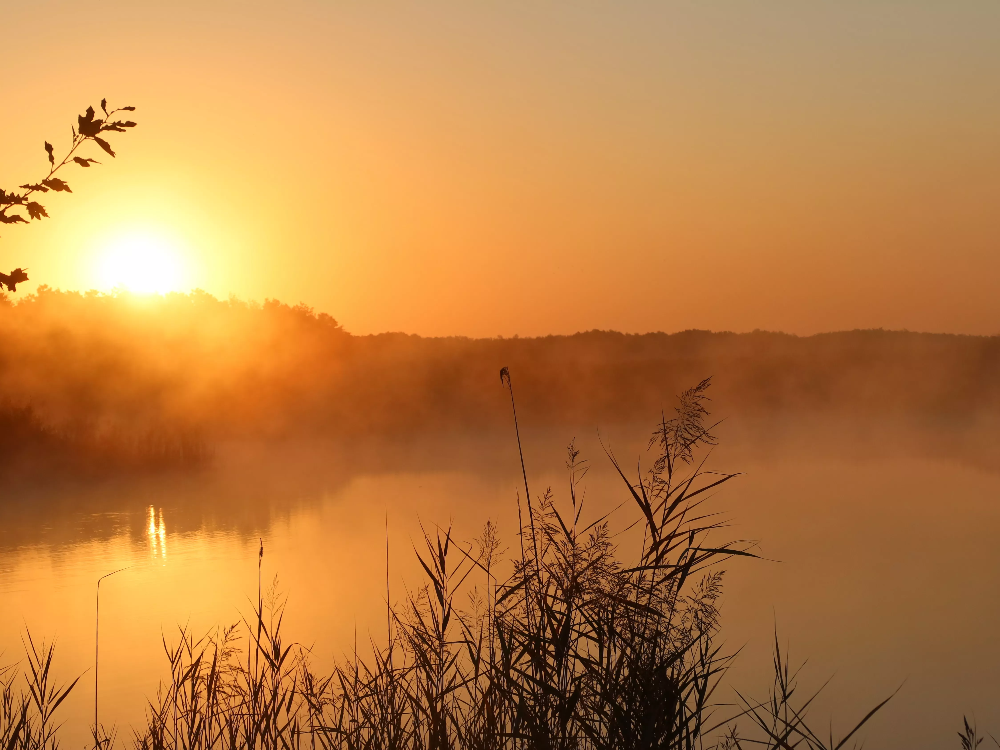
point(124, 380)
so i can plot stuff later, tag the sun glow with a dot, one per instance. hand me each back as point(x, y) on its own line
point(141, 263)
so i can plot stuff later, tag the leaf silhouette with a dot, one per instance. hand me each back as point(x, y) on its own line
point(57, 184)
point(36, 210)
point(49, 150)
point(104, 106)
point(13, 279)
point(15, 219)
point(118, 126)
point(105, 145)
point(85, 162)
point(87, 125)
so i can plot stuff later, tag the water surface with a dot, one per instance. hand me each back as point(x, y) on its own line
point(882, 565)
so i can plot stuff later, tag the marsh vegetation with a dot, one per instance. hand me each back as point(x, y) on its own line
point(582, 632)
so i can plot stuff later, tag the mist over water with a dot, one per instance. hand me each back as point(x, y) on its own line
point(878, 566)
point(170, 436)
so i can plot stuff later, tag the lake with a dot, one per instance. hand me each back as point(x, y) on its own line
point(880, 567)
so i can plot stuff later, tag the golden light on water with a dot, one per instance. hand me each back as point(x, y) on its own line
point(141, 262)
point(157, 534)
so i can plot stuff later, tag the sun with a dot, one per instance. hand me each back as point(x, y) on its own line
point(141, 262)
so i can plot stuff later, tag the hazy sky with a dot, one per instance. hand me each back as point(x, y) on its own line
point(528, 167)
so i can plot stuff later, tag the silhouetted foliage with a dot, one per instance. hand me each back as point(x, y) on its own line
point(14, 204)
point(12, 279)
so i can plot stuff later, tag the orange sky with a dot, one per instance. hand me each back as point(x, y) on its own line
point(482, 169)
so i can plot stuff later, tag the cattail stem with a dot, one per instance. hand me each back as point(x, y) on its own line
point(97, 644)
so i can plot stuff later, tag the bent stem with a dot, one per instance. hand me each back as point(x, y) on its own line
point(97, 644)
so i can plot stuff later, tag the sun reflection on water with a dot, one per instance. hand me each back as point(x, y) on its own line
point(157, 533)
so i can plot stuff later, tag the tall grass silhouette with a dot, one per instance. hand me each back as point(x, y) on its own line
point(27, 716)
point(587, 641)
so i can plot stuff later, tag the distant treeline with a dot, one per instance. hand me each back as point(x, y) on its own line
point(190, 364)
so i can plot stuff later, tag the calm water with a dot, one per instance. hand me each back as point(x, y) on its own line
point(883, 566)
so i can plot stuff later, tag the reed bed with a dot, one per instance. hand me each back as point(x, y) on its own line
point(32, 450)
point(27, 716)
point(599, 634)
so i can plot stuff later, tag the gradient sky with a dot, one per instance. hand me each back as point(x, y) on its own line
point(529, 167)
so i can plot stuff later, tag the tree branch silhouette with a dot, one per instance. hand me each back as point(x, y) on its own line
point(15, 204)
